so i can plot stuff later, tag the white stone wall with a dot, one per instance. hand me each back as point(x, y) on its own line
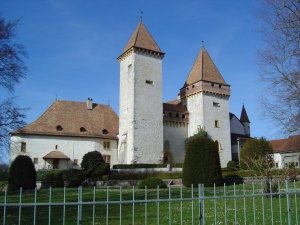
point(37, 146)
point(204, 113)
point(283, 159)
point(141, 118)
point(176, 133)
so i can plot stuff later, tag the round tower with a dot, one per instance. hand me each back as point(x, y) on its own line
point(140, 112)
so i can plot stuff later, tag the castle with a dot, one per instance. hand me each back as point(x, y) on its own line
point(147, 130)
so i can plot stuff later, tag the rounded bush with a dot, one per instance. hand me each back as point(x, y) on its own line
point(74, 183)
point(151, 183)
point(91, 160)
point(202, 163)
point(21, 174)
point(231, 166)
point(103, 169)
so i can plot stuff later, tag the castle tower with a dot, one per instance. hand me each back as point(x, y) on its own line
point(206, 95)
point(141, 118)
point(245, 120)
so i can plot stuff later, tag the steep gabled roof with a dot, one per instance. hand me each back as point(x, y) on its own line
point(290, 144)
point(244, 116)
point(141, 38)
point(204, 69)
point(70, 118)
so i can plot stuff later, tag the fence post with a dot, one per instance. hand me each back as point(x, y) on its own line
point(79, 214)
point(288, 202)
point(200, 204)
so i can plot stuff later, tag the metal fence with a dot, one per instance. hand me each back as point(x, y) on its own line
point(236, 204)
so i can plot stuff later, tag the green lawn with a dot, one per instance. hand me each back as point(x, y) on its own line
point(234, 207)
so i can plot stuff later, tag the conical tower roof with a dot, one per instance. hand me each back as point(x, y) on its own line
point(244, 116)
point(141, 38)
point(204, 69)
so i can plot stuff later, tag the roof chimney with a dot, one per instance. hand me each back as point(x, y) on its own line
point(89, 103)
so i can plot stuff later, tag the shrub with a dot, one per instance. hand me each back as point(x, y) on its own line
point(91, 160)
point(201, 163)
point(103, 169)
point(74, 183)
point(88, 173)
point(151, 183)
point(231, 166)
point(21, 174)
point(58, 176)
point(49, 176)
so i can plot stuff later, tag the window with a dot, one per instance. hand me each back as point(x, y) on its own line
point(106, 144)
point(177, 115)
point(75, 161)
point(35, 160)
point(104, 131)
point(23, 147)
point(183, 115)
point(149, 82)
point(59, 128)
point(217, 124)
point(276, 165)
point(212, 84)
point(220, 86)
point(216, 104)
point(106, 158)
point(167, 144)
point(56, 147)
point(82, 129)
point(170, 114)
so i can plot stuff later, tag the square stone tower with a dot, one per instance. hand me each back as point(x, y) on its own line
point(206, 96)
point(140, 114)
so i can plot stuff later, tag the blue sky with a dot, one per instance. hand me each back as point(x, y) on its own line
point(73, 45)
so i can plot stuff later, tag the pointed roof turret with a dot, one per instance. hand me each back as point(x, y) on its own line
point(204, 69)
point(244, 116)
point(142, 39)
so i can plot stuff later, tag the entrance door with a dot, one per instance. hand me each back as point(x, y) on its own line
point(55, 163)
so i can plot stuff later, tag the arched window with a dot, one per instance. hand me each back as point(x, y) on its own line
point(104, 131)
point(82, 129)
point(167, 144)
point(167, 157)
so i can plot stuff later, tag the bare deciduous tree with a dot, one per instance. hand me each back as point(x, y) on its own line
point(12, 69)
point(279, 63)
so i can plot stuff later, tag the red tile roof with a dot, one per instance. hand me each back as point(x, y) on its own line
point(55, 155)
point(204, 69)
point(72, 116)
point(141, 38)
point(290, 144)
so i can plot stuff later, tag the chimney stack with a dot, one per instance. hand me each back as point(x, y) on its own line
point(89, 103)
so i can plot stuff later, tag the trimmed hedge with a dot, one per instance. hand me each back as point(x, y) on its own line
point(144, 165)
point(103, 169)
point(201, 163)
point(91, 160)
point(141, 176)
point(21, 174)
point(151, 183)
point(74, 183)
point(231, 166)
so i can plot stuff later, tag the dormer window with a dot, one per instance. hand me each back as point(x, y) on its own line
point(82, 129)
point(220, 86)
point(212, 84)
point(183, 115)
point(104, 131)
point(59, 128)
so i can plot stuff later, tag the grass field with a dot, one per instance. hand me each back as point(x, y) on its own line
point(169, 212)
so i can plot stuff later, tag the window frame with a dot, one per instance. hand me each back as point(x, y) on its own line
point(23, 147)
point(106, 145)
point(106, 157)
point(35, 160)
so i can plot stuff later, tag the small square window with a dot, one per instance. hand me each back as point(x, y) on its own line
point(106, 158)
point(106, 144)
point(35, 160)
point(217, 124)
point(23, 147)
point(149, 82)
point(75, 161)
point(216, 104)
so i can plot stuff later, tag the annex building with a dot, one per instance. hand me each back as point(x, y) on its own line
point(146, 130)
